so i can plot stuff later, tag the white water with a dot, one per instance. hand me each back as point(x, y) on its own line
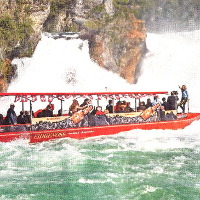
point(62, 66)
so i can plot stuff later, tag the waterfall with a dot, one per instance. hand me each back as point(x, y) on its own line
point(64, 65)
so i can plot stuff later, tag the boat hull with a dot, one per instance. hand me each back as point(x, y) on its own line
point(85, 132)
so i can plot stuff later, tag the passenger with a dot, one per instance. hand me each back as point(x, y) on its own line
point(11, 117)
point(1, 120)
point(184, 98)
point(21, 118)
point(51, 106)
point(165, 104)
point(155, 102)
point(109, 107)
point(149, 104)
point(162, 113)
point(38, 113)
point(117, 107)
point(86, 102)
point(122, 109)
point(128, 107)
point(89, 117)
point(106, 111)
point(141, 106)
point(59, 112)
point(75, 107)
point(99, 111)
point(47, 112)
point(172, 101)
point(27, 117)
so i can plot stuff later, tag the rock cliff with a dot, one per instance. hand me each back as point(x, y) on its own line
point(114, 28)
point(120, 46)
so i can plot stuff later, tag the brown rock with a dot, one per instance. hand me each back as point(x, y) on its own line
point(120, 46)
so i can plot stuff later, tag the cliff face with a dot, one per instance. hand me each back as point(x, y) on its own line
point(21, 24)
point(116, 37)
point(120, 46)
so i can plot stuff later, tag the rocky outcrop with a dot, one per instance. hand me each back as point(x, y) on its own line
point(120, 46)
point(21, 24)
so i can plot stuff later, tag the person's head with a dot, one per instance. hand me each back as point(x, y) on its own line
point(123, 102)
point(183, 87)
point(106, 111)
point(1, 116)
point(12, 106)
point(155, 98)
point(148, 100)
point(110, 101)
point(141, 103)
point(74, 103)
point(59, 112)
point(175, 92)
point(162, 108)
point(89, 101)
point(86, 101)
point(48, 107)
point(21, 112)
point(26, 112)
point(99, 108)
point(118, 103)
point(163, 99)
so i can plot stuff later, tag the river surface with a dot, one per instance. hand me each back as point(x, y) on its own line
point(133, 165)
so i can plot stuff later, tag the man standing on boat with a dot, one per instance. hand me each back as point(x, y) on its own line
point(184, 97)
point(11, 117)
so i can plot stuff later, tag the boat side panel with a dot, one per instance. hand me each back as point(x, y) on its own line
point(80, 133)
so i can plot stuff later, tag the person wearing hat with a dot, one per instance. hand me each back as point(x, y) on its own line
point(11, 117)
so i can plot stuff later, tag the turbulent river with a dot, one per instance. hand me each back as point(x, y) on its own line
point(133, 165)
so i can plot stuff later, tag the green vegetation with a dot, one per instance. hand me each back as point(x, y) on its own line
point(136, 7)
point(97, 10)
point(15, 28)
point(1, 65)
point(93, 24)
point(56, 5)
point(13, 31)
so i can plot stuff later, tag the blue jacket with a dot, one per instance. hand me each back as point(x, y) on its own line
point(184, 94)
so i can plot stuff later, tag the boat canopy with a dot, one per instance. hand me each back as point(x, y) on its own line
point(48, 97)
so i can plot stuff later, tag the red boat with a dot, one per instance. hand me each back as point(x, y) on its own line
point(85, 123)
